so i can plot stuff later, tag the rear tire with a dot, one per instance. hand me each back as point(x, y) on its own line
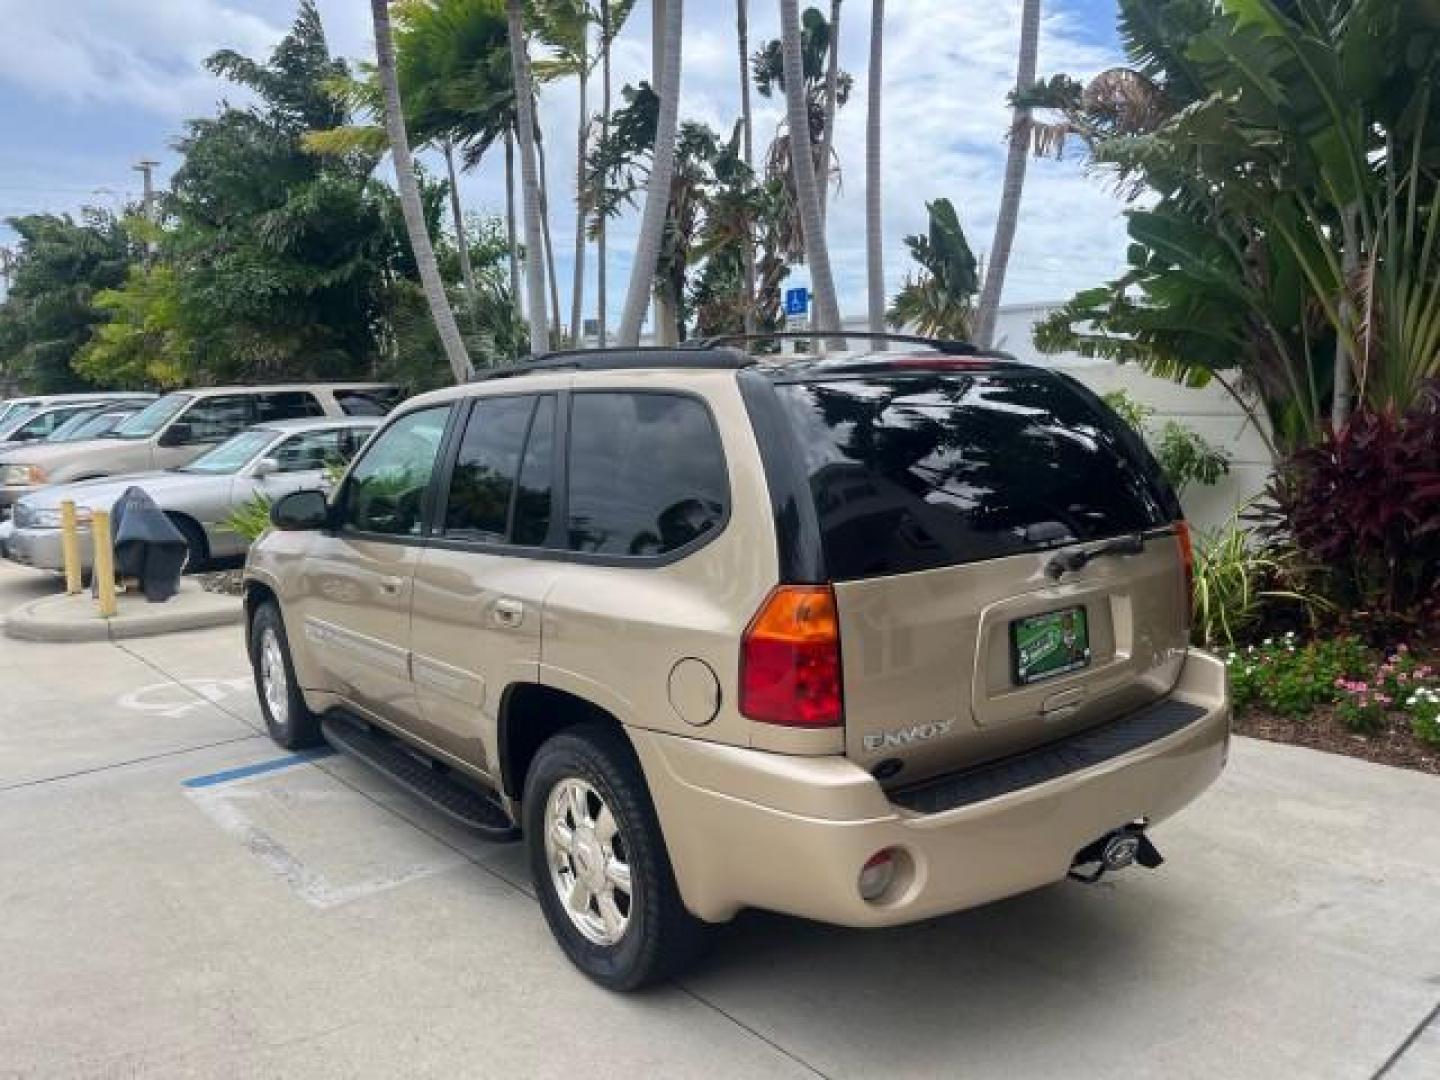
point(288, 721)
point(599, 863)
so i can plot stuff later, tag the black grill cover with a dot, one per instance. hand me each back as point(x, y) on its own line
point(147, 545)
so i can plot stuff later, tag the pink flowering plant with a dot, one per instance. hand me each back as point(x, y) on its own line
point(1293, 678)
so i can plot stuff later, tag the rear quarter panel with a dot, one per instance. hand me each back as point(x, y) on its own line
point(614, 634)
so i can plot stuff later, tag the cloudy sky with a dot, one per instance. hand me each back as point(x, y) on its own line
point(88, 87)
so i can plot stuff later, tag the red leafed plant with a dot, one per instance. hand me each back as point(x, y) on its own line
point(1363, 505)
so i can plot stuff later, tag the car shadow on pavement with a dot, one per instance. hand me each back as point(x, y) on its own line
point(1068, 956)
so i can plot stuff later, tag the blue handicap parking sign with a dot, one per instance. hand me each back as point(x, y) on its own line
point(797, 301)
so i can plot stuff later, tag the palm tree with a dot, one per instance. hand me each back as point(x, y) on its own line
point(832, 71)
point(874, 238)
point(940, 300)
point(529, 177)
point(1015, 161)
point(410, 204)
point(742, 34)
point(817, 254)
point(607, 32)
point(657, 196)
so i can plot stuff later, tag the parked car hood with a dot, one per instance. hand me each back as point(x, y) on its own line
point(105, 492)
point(50, 455)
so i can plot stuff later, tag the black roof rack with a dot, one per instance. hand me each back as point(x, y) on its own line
point(718, 353)
point(942, 345)
point(625, 357)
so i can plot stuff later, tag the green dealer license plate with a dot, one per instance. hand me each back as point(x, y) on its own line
point(1043, 646)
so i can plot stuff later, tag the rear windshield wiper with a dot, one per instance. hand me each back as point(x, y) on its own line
point(1070, 561)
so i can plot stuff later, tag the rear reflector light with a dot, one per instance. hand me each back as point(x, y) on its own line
point(1187, 559)
point(876, 875)
point(790, 660)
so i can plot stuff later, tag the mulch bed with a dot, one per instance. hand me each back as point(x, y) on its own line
point(1394, 744)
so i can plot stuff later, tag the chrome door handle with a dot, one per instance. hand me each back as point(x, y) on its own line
point(391, 586)
point(509, 612)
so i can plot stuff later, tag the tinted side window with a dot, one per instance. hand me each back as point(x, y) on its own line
point(215, 418)
point(286, 405)
point(914, 472)
point(385, 492)
point(372, 401)
point(647, 473)
point(531, 524)
point(478, 504)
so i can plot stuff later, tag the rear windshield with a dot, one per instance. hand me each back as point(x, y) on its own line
point(911, 472)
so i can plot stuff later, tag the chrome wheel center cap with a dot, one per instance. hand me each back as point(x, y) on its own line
point(589, 858)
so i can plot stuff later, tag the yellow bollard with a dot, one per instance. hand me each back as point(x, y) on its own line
point(104, 562)
point(70, 547)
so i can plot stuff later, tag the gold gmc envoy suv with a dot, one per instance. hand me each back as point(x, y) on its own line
point(865, 638)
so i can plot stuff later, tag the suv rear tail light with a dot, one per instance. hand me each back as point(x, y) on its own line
point(1187, 558)
point(790, 660)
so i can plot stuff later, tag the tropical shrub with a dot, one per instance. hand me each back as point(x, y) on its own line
point(1423, 705)
point(1237, 576)
point(1184, 454)
point(251, 519)
point(1364, 505)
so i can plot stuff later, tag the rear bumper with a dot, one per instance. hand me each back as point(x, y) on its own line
point(790, 834)
point(40, 548)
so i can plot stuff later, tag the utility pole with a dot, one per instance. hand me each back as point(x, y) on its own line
point(146, 169)
point(7, 267)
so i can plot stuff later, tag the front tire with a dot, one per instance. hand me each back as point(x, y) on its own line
point(197, 547)
point(599, 863)
point(289, 722)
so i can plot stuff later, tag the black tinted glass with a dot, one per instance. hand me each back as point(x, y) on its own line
point(478, 505)
point(372, 401)
point(914, 472)
point(647, 473)
point(532, 500)
point(286, 405)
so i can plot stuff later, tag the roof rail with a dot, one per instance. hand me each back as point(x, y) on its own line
point(942, 345)
point(623, 358)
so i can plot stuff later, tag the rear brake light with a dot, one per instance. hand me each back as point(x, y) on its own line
point(1187, 559)
point(790, 660)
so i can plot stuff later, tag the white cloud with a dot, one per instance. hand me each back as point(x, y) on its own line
point(948, 68)
point(143, 53)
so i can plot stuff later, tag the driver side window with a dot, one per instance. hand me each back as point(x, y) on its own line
point(385, 492)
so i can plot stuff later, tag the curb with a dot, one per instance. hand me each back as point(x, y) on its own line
point(37, 621)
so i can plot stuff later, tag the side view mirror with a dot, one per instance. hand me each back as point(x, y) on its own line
point(265, 467)
point(178, 434)
point(301, 511)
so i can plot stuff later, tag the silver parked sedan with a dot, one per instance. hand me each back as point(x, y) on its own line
point(271, 459)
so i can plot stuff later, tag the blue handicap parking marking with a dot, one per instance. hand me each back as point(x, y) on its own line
point(274, 764)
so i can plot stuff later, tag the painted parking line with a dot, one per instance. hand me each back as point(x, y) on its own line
point(260, 767)
point(253, 803)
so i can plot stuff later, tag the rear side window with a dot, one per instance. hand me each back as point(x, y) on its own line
point(371, 401)
point(287, 405)
point(483, 481)
point(647, 473)
point(914, 472)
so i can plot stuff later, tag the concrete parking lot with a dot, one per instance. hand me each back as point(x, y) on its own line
point(178, 897)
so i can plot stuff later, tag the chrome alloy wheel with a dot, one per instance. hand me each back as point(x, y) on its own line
point(589, 866)
point(273, 680)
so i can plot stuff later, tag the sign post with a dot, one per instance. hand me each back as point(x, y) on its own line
point(797, 315)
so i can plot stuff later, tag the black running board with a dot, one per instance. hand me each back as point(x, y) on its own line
point(433, 784)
